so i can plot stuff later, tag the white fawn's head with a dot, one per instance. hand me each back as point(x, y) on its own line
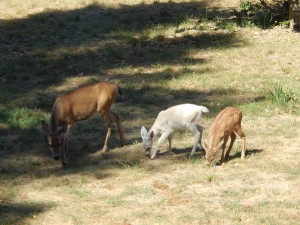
point(54, 139)
point(211, 152)
point(147, 140)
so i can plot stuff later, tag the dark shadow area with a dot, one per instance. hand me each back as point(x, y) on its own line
point(44, 49)
point(237, 155)
point(199, 151)
point(16, 213)
point(181, 152)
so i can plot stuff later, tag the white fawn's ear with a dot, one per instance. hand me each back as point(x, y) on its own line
point(45, 128)
point(143, 132)
point(151, 135)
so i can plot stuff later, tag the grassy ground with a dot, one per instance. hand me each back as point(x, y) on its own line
point(161, 53)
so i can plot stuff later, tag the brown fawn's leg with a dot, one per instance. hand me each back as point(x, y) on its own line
point(223, 147)
point(232, 139)
point(243, 136)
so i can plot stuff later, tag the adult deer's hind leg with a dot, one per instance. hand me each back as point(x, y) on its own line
point(115, 118)
point(109, 124)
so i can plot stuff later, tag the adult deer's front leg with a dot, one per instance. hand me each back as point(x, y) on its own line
point(65, 150)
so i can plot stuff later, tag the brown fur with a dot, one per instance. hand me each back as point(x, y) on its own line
point(225, 125)
point(81, 104)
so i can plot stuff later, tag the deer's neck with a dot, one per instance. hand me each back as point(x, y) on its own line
point(54, 119)
point(215, 136)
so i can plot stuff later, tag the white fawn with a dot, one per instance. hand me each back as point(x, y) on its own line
point(78, 105)
point(171, 119)
point(225, 125)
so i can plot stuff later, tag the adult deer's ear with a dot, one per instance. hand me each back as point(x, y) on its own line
point(143, 132)
point(45, 128)
point(151, 135)
point(62, 129)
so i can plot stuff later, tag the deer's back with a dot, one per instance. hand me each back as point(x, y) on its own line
point(83, 102)
point(227, 121)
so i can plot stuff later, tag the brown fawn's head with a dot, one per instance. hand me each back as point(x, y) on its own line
point(211, 152)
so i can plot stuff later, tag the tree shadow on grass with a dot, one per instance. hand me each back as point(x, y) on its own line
point(19, 213)
point(44, 49)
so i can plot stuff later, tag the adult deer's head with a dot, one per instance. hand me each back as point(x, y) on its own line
point(54, 139)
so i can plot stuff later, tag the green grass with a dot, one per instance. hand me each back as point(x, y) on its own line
point(24, 118)
point(280, 96)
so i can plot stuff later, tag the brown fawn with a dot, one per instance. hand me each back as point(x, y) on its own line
point(225, 125)
point(78, 105)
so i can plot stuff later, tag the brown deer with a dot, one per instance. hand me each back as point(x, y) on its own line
point(78, 105)
point(227, 123)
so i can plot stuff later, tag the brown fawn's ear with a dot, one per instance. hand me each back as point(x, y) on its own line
point(151, 135)
point(45, 128)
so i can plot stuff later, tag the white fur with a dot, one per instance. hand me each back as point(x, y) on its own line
point(171, 119)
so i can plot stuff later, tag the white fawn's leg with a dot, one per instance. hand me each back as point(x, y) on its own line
point(232, 139)
point(114, 117)
point(162, 138)
point(170, 142)
point(197, 130)
point(200, 128)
